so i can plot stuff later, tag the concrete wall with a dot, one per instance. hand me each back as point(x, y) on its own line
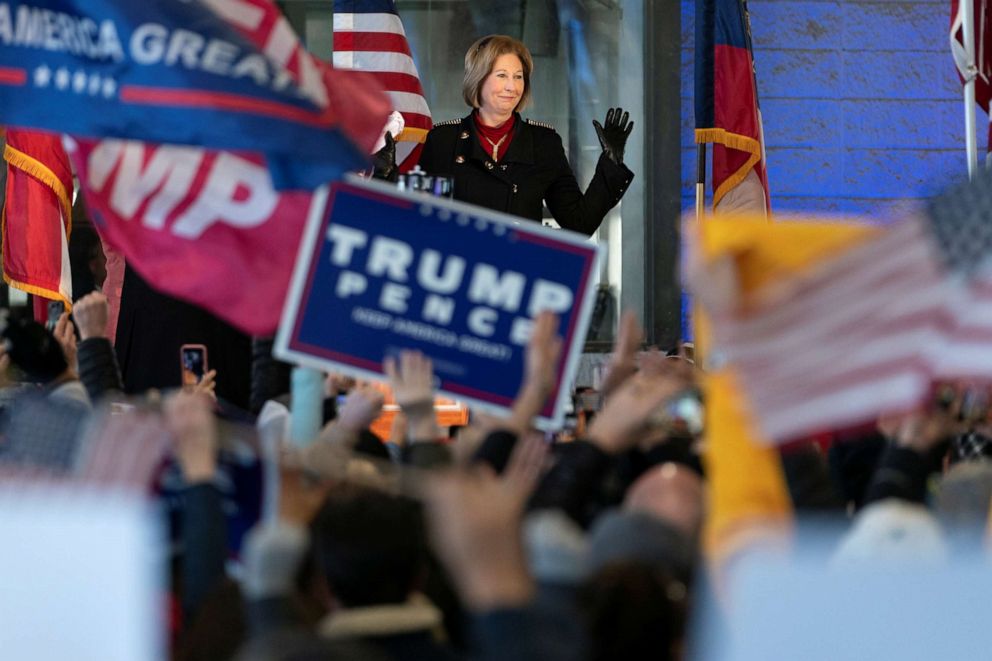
point(861, 103)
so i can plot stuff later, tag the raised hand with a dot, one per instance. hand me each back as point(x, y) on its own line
point(207, 385)
point(623, 362)
point(5, 380)
point(65, 334)
point(91, 313)
point(627, 414)
point(613, 133)
point(543, 352)
point(384, 160)
point(189, 417)
point(474, 517)
point(412, 381)
point(362, 406)
point(540, 372)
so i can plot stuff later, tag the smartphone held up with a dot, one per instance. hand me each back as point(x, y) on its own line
point(193, 363)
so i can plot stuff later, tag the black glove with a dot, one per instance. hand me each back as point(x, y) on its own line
point(384, 161)
point(613, 136)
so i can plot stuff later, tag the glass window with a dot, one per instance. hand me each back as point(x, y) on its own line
point(588, 57)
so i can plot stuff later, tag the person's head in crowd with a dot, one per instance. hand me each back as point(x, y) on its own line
point(635, 602)
point(87, 260)
point(369, 547)
point(635, 611)
point(673, 493)
point(641, 562)
point(486, 61)
point(34, 351)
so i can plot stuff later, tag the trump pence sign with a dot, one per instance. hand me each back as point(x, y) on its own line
point(380, 271)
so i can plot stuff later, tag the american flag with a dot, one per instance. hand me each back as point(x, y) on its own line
point(369, 36)
point(123, 450)
point(872, 329)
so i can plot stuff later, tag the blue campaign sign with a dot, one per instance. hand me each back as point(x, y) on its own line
point(166, 72)
point(381, 271)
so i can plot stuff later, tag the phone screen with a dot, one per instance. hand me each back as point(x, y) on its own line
point(193, 358)
point(55, 310)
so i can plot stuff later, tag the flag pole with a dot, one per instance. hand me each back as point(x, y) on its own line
point(700, 180)
point(970, 130)
point(700, 327)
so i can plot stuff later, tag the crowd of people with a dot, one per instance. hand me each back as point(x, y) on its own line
point(493, 541)
point(623, 538)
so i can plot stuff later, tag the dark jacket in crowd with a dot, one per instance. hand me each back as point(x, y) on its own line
point(98, 368)
point(533, 170)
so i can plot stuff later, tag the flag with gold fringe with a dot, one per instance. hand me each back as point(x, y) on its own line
point(37, 215)
point(726, 100)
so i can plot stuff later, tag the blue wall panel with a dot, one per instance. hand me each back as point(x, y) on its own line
point(861, 104)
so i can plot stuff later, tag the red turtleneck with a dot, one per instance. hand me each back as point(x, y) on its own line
point(491, 135)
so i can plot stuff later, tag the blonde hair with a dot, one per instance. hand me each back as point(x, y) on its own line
point(479, 62)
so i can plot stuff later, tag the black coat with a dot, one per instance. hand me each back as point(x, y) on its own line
point(151, 328)
point(533, 170)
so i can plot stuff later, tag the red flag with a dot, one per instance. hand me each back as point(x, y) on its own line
point(208, 226)
point(204, 226)
point(726, 102)
point(355, 97)
point(37, 215)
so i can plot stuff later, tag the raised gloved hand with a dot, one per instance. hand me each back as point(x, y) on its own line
point(384, 160)
point(613, 136)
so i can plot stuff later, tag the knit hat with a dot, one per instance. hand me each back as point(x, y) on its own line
point(631, 536)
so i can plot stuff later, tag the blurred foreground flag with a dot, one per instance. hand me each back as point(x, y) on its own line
point(204, 226)
point(152, 96)
point(867, 324)
point(51, 441)
point(727, 112)
point(369, 36)
point(37, 215)
point(222, 74)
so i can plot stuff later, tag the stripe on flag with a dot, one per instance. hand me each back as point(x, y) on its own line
point(407, 103)
point(370, 61)
point(372, 22)
point(372, 41)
